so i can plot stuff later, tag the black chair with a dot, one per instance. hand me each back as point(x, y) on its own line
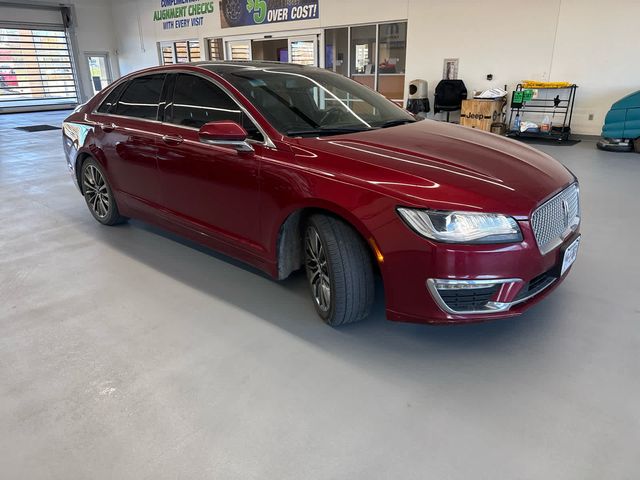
point(448, 96)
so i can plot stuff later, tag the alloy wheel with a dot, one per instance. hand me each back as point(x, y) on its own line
point(95, 191)
point(318, 269)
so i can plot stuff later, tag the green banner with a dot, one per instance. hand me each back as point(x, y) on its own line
point(182, 13)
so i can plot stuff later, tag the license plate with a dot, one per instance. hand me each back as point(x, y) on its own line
point(570, 255)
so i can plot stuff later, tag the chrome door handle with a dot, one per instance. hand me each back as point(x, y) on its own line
point(172, 140)
point(108, 127)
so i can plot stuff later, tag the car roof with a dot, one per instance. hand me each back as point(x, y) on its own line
point(229, 66)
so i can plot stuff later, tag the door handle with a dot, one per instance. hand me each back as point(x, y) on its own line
point(108, 127)
point(172, 140)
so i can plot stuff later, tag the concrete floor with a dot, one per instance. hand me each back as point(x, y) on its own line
point(127, 353)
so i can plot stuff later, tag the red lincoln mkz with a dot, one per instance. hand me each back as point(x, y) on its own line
point(284, 167)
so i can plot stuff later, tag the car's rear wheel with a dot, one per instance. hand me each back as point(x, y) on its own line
point(339, 270)
point(98, 194)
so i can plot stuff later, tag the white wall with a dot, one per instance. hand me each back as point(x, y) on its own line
point(596, 47)
point(589, 42)
point(94, 32)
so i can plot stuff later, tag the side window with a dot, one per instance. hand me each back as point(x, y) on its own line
point(197, 101)
point(141, 97)
point(107, 106)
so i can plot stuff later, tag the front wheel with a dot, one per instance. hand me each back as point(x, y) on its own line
point(339, 270)
point(98, 194)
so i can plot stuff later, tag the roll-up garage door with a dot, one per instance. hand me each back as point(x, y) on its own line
point(36, 67)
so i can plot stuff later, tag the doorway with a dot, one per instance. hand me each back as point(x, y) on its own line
point(270, 50)
point(99, 70)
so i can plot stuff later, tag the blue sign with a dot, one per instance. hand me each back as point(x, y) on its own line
point(238, 13)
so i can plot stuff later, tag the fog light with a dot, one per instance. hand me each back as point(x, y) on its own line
point(469, 296)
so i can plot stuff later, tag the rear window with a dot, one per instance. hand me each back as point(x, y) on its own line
point(110, 102)
point(141, 98)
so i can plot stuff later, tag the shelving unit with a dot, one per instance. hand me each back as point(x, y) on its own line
point(559, 108)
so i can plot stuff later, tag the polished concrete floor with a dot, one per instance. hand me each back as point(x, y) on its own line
point(127, 353)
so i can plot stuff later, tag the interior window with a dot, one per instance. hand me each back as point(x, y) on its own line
point(141, 97)
point(111, 99)
point(197, 101)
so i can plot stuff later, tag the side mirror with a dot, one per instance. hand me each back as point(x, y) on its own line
point(225, 133)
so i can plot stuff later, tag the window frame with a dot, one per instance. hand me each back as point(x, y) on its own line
point(166, 96)
point(267, 142)
point(208, 42)
point(130, 81)
point(174, 54)
point(376, 51)
point(114, 86)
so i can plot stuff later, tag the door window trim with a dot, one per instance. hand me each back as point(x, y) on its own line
point(267, 142)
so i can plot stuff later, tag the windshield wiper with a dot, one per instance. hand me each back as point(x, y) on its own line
point(393, 123)
point(326, 131)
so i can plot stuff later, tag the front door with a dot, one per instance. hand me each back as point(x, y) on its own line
point(99, 70)
point(206, 187)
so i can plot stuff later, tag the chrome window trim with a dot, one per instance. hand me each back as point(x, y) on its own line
point(267, 140)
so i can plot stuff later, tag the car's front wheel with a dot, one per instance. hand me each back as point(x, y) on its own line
point(98, 194)
point(339, 270)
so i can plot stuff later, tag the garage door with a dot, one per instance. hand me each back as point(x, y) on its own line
point(35, 69)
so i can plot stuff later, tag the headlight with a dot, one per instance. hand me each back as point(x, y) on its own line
point(462, 227)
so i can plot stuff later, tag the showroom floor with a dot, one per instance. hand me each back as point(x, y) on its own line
point(128, 353)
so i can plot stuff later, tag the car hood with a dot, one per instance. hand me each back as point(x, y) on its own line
point(441, 166)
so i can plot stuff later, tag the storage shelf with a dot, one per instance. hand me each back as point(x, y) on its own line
point(560, 108)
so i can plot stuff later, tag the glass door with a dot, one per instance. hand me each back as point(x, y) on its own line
point(99, 70)
point(304, 50)
point(239, 50)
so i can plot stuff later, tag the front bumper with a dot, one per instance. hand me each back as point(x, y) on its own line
point(430, 282)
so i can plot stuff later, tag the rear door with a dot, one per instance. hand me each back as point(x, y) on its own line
point(129, 135)
point(207, 187)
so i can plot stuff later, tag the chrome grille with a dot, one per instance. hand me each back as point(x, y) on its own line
point(556, 218)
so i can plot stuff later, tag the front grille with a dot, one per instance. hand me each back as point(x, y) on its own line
point(467, 299)
point(555, 218)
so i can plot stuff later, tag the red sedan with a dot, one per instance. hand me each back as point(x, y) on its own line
point(287, 167)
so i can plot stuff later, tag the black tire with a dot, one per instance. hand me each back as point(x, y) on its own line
point(347, 265)
point(98, 194)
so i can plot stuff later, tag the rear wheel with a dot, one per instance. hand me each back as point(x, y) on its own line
point(98, 194)
point(339, 270)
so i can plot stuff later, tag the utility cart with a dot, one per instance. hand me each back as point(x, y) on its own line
point(536, 101)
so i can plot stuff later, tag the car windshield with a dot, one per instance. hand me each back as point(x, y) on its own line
point(314, 102)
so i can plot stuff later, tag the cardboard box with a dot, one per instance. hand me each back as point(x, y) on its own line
point(481, 113)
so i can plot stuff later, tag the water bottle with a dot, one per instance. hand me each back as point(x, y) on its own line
point(516, 123)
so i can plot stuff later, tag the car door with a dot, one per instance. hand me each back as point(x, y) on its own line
point(210, 188)
point(128, 137)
